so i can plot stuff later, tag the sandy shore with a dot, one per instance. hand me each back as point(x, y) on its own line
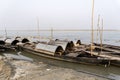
point(25, 70)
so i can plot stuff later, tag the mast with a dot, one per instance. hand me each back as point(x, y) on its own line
point(92, 25)
point(5, 33)
point(98, 27)
point(101, 36)
point(51, 33)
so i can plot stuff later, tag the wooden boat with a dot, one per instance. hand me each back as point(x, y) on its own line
point(7, 47)
point(67, 51)
point(57, 52)
point(3, 46)
point(109, 51)
point(110, 48)
point(10, 44)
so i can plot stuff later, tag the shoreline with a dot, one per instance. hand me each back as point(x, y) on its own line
point(25, 70)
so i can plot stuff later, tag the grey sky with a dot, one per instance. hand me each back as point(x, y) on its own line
point(59, 14)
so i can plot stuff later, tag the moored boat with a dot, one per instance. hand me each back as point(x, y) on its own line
point(59, 53)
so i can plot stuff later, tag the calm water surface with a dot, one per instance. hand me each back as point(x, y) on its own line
point(109, 37)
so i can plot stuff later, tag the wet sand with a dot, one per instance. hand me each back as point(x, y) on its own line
point(25, 70)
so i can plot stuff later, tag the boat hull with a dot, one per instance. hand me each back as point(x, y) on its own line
point(83, 60)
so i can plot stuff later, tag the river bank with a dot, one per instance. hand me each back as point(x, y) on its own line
point(26, 70)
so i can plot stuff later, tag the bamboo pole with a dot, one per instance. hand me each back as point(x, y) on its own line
point(51, 33)
point(98, 26)
point(101, 36)
point(92, 25)
point(5, 33)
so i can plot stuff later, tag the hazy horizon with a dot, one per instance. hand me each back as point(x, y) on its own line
point(57, 14)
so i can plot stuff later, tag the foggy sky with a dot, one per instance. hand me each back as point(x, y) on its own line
point(58, 14)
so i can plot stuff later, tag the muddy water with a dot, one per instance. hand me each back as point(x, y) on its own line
point(111, 72)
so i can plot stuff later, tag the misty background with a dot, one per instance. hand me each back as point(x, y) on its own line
point(58, 14)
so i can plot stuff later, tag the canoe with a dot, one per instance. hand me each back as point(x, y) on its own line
point(111, 48)
point(57, 52)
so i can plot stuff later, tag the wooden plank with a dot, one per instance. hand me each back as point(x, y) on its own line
point(108, 49)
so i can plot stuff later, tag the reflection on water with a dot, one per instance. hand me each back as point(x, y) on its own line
point(17, 56)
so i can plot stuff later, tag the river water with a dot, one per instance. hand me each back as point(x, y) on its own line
point(109, 37)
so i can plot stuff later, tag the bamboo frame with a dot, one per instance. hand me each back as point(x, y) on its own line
point(92, 25)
